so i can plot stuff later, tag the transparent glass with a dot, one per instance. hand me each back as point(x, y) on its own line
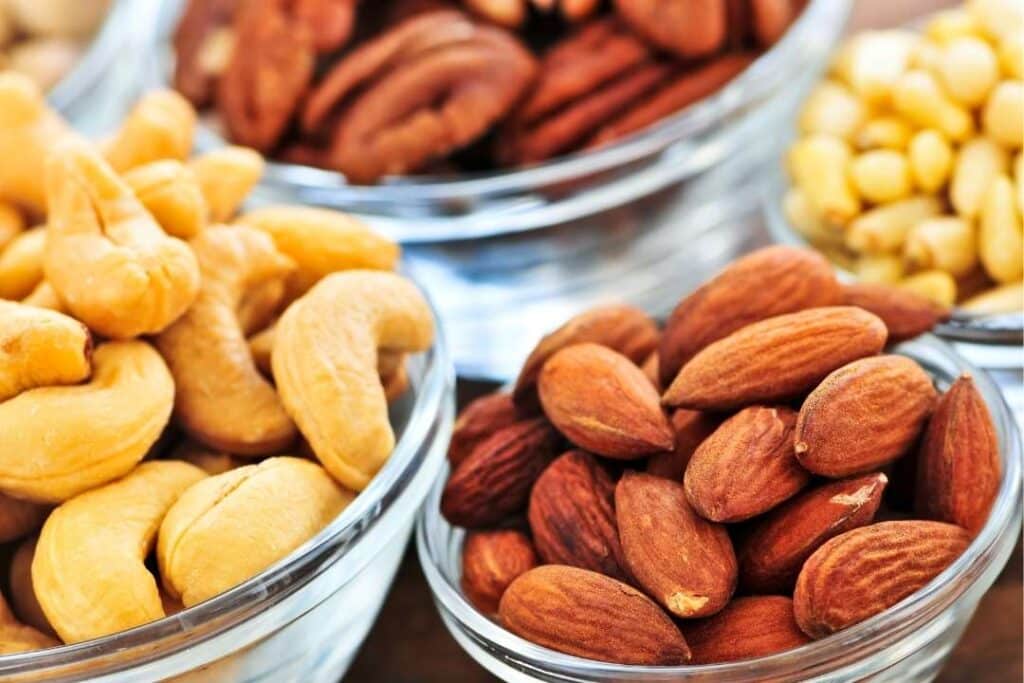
point(905, 644)
point(304, 618)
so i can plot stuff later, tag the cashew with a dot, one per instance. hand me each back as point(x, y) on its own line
point(19, 518)
point(334, 394)
point(110, 262)
point(40, 348)
point(21, 264)
point(222, 400)
point(1004, 299)
point(82, 436)
point(210, 461)
point(45, 296)
point(23, 594)
point(160, 126)
point(17, 637)
point(228, 528)
point(12, 223)
point(89, 569)
point(226, 176)
point(170, 191)
point(321, 241)
point(29, 129)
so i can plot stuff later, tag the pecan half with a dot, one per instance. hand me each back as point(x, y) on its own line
point(514, 13)
point(202, 45)
point(428, 86)
point(688, 28)
point(331, 21)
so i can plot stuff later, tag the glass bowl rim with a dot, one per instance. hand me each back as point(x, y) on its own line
point(943, 590)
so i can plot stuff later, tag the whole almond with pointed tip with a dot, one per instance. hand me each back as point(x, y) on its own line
point(864, 415)
point(748, 627)
point(776, 359)
point(746, 467)
point(477, 421)
point(603, 403)
point(572, 516)
point(625, 329)
point(778, 545)
point(864, 572)
point(494, 481)
point(491, 561)
point(691, 428)
point(583, 613)
point(683, 561)
point(906, 314)
point(958, 464)
point(762, 284)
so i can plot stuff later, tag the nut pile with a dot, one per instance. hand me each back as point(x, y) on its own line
point(373, 89)
point(44, 38)
point(164, 426)
point(909, 167)
point(717, 490)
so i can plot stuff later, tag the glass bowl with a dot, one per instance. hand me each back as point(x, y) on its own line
point(304, 618)
point(907, 643)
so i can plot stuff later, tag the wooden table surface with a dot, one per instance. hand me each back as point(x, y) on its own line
point(409, 644)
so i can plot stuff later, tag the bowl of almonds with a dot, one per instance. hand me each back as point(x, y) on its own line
point(789, 480)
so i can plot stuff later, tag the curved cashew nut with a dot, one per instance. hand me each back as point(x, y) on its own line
point(85, 435)
point(222, 400)
point(170, 191)
point(21, 264)
point(12, 223)
point(110, 262)
point(40, 348)
point(226, 176)
point(45, 296)
point(230, 527)
point(23, 593)
point(89, 569)
point(160, 126)
point(208, 460)
point(17, 637)
point(334, 393)
point(19, 517)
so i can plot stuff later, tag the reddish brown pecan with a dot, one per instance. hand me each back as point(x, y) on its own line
point(202, 44)
point(331, 21)
point(423, 89)
point(688, 28)
point(513, 13)
point(770, 19)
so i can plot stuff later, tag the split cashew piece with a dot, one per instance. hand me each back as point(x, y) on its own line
point(17, 637)
point(40, 348)
point(89, 569)
point(58, 441)
point(226, 176)
point(222, 399)
point(108, 259)
point(170, 192)
point(161, 126)
point(228, 528)
point(325, 364)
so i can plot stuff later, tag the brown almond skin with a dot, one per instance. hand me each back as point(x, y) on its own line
point(691, 428)
point(683, 561)
point(863, 416)
point(958, 464)
point(583, 613)
point(773, 553)
point(494, 481)
point(477, 421)
point(776, 359)
point(864, 572)
point(746, 467)
point(625, 329)
point(905, 313)
point(572, 516)
point(748, 627)
point(603, 403)
point(763, 284)
point(491, 560)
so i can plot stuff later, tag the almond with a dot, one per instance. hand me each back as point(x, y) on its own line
point(691, 427)
point(958, 464)
point(494, 481)
point(491, 560)
point(906, 314)
point(684, 562)
point(866, 571)
point(625, 329)
point(477, 421)
point(650, 368)
point(776, 359)
point(603, 403)
point(863, 416)
point(746, 467)
point(763, 284)
point(583, 613)
point(778, 545)
point(748, 627)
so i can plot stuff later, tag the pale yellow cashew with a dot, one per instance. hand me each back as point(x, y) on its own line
point(17, 637)
point(226, 176)
point(85, 435)
point(109, 260)
point(21, 264)
point(228, 528)
point(170, 192)
point(12, 223)
point(89, 569)
point(222, 400)
point(40, 348)
point(45, 296)
point(325, 364)
point(160, 126)
point(23, 594)
point(206, 459)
